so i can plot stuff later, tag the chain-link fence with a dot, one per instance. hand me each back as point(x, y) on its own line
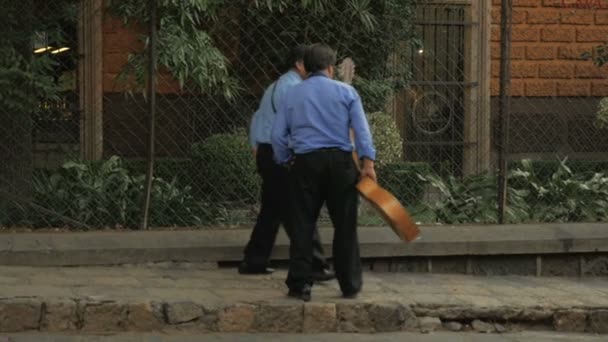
point(75, 108)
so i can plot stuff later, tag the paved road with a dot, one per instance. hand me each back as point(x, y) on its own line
point(395, 337)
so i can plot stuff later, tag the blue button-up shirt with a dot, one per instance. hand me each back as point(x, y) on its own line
point(261, 123)
point(318, 113)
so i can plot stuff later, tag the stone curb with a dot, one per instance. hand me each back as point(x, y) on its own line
point(75, 315)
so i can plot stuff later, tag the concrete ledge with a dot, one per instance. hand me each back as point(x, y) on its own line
point(107, 248)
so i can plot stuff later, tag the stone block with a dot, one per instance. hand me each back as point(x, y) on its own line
point(19, 315)
point(320, 317)
point(60, 316)
point(388, 317)
point(353, 318)
point(429, 324)
point(483, 327)
point(598, 321)
point(280, 318)
point(239, 318)
point(570, 320)
point(452, 326)
point(104, 317)
point(183, 312)
point(144, 317)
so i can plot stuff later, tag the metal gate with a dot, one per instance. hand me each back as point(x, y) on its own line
point(439, 114)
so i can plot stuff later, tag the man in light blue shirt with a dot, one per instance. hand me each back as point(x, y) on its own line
point(274, 210)
point(316, 118)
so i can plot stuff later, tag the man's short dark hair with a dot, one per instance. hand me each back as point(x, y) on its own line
point(318, 57)
point(296, 54)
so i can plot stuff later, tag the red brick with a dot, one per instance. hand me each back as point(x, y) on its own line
point(496, 15)
point(523, 70)
point(112, 24)
point(577, 17)
point(559, 70)
point(167, 84)
point(495, 69)
point(517, 52)
point(592, 34)
point(557, 34)
point(526, 3)
point(573, 52)
point(599, 88)
point(494, 87)
point(589, 70)
point(121, 42)
point(524, 34)
point(540, 52)
point(518, 16)
point(583, 4)
point(114, 62)
point(110, 84)
point(601, 17)
point(495, 33)
point(517, 88)
point(552, 3)
point(540, 88)
point(543, 16)
point(573, 88)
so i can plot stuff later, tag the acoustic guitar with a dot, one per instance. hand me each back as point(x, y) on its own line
point(389, 208)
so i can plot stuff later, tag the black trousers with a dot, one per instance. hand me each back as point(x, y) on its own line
point(324, 176)
point(274, 212)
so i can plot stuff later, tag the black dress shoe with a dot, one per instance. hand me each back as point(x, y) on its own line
point(323, 275)
point(303, 294)
point(350, 295)
point(245, 268)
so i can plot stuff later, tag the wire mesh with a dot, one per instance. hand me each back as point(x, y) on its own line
point(427, 84)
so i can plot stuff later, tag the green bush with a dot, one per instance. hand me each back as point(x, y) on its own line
point(544, 169)
point(105, 194)
point(224, 169)
point(562, 195)
point(387, 140)
point(402, 179)
point(167, 169)
point(601, 119)
point(470, 200)
point(374, 93)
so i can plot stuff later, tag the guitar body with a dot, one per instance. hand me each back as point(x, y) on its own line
point(390, 209)
point(386, 204)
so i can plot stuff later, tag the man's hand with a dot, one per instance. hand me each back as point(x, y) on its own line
point(255, 152)
point(368, 169)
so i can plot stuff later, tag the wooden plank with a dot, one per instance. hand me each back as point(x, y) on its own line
point(477, 99)
point(90, 72)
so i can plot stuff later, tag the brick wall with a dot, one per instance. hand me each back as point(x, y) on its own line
point(118, 42)
point(548, 39)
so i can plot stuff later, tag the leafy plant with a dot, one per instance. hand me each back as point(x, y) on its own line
point(25, 80)
point(374, 93)
point(402, 180)
point(105, 195)
point(387, 139)
point(601, 118)
point(564, 196)
point(472, 199)
point(224, 169)
point(184, 48)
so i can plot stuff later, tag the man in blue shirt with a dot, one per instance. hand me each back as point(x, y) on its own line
point(311, 135)
point(274, 211)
